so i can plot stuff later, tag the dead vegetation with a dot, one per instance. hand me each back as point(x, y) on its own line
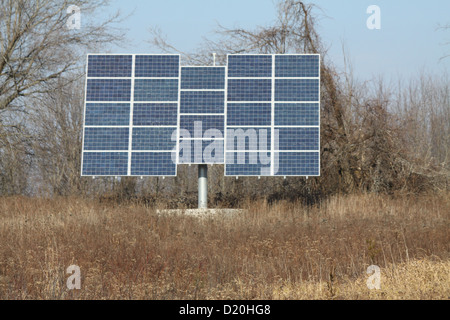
point(279, 251)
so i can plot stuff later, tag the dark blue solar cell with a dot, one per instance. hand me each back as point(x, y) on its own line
point(249, 90)
point(297, 66)
point(201, 152)
point(250, 66)
point(107, 114)
point(108, 90)
point(202, 102)
point(203, 78)
point(297, 164)
point(105, 164)
point(155, 114)
point(198, 125)
point(249, 114)
point(154, 139)
point(248, 164)
point(153, 164)
point(109, 66)
point(106, 139)
point(249, 139)
point(297, 114)
point(157, 66)
point(156, 90)
point(297, 90)
point(298, 139)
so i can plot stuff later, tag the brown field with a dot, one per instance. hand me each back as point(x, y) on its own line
point(280, 251)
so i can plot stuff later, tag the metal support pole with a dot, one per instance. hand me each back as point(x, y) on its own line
point(202, 186)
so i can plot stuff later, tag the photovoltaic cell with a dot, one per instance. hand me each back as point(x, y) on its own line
point(107, 114)
point(154, 139)
point(156, 90)
point(302, 139)
point(197, 125)
point(249, 114)
point(110, 66)
point(258, 66)
point(249, 139)
point(106, 139)
point(153, 164)
point(201, 152)
point(117, 90)
point(155, 114)
point(105, 163)
point(297, 114)
point(248, 164)
point(297, 90)
point(297, 164)
point(297, 66)
point(203, 78)
point(159, 66)
point(202, 102)
point(249, 90)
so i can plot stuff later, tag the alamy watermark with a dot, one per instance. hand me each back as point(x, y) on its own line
point(374, 21)
point(74, 21)
point(374, 281)
point(74, 280)
point(248, 146)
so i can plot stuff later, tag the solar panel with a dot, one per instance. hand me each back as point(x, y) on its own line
point(259, 115)
point(273, 115)
point(131, 115)
point(202, 115)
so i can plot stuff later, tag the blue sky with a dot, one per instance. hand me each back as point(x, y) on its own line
point(409, 40)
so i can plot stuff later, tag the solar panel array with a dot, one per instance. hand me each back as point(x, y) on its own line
point(131, 121)
point(145, 114)
point(273, 121)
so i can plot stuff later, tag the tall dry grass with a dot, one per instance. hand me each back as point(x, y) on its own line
point(281, 251)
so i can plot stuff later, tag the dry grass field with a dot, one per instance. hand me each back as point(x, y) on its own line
point(280, 251)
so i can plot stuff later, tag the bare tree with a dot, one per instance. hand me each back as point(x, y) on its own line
point(15, 160)
point(423, 106)
point(37, 47)
point(446, 43)
point(56, 126)
point(41, 68)
point(294, 31)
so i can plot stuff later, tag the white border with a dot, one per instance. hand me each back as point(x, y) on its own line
point(130, 141)
point(84, 116)
point(272, 121)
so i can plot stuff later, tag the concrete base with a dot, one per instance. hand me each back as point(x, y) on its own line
point(214, 213)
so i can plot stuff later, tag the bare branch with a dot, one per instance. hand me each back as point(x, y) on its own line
point(36, 46)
